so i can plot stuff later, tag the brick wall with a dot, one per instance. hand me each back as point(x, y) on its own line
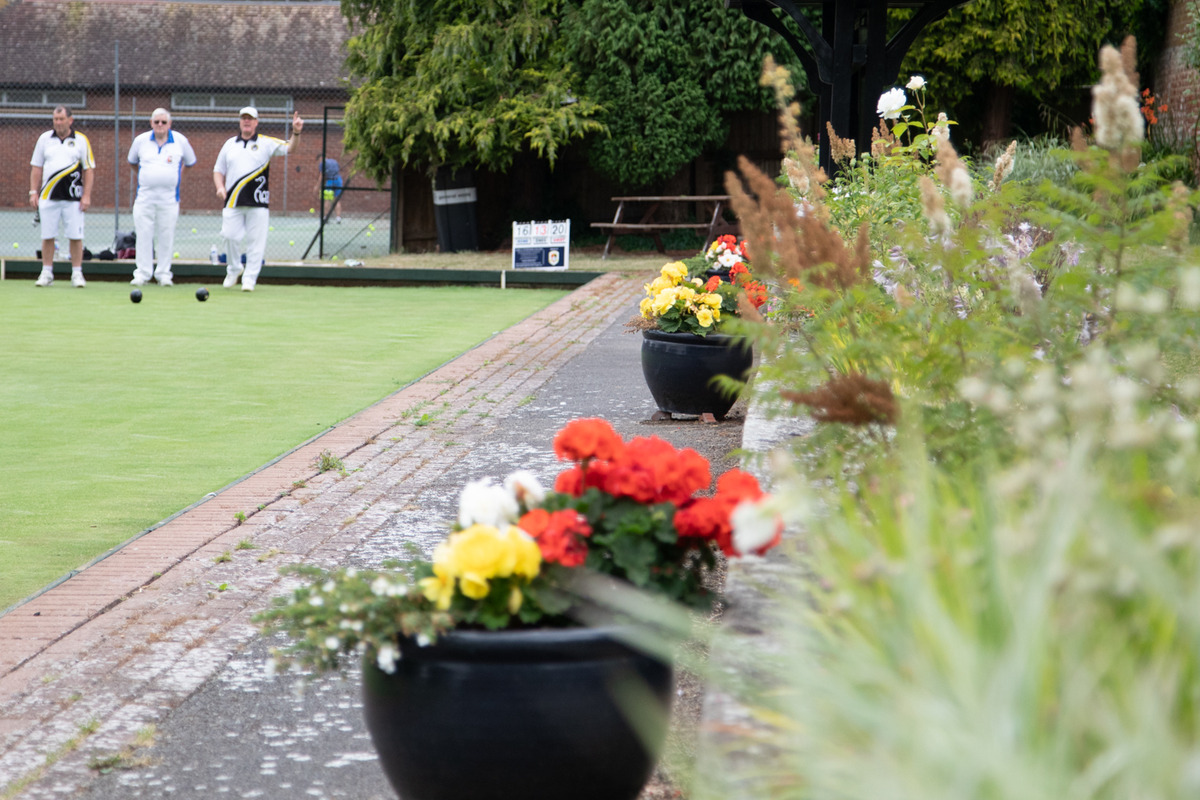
point(1177, 84)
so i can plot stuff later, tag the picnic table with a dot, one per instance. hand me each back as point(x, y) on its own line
point(646, 223)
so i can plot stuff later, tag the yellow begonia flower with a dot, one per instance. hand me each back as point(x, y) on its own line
point(473, 585)
point(528, 554)
point(664, 301)
point(658, 284)
point(647, 307)
point(705, 317)
point(712, 300)
point(482, 551)
point(676, 271)
point(438, 590)
point(443, 560)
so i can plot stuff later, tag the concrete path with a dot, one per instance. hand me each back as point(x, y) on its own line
point(143, 676)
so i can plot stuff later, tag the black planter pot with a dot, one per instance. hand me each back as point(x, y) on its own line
point(536, 715)
point(679, 368)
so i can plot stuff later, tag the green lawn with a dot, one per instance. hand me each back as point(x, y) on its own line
point(113, 416)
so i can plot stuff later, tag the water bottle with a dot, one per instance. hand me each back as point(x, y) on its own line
point(212, 255)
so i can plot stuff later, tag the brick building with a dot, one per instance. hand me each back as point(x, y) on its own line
point(1177, 84)
point(201, 60)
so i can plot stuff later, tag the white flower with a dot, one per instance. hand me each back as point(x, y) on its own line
point(386, 658)
point(756, 527)
point(890, 103)
point(317, 600)
point(525, 487)
point(728, 259)
point(380, 586)
point(915, 82)
point(484, 503)
point(332, 642)
point(941, 130)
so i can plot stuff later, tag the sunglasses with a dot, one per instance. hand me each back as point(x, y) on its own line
point(160, 122)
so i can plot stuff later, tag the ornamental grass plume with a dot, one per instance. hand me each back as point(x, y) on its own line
point(1115, 108)
point(953, 173)
point(883, 143)
point(798, 247)
point(776, 77)
point(935, 208)
point(840, 150)
point(1004, 166)
point(795, 242)
point(852, 399)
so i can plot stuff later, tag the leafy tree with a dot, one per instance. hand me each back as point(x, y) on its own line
point(458, 83)
point(992, 51)
point(668, 76)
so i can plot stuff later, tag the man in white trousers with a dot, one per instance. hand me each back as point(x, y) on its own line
point(241, 179)
point(60, 188)
point(159, 155)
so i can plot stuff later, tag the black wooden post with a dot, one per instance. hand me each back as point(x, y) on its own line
point(850, 60)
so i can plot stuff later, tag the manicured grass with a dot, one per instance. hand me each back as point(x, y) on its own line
point(113, 416)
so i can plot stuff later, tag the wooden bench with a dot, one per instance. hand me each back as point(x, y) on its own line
point(647, 224)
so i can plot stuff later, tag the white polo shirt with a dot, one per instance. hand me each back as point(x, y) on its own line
point(63, 162)
point(160, 168)
point(245, 163)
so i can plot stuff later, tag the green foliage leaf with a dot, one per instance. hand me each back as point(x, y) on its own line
point(634, 556)
point(460, 84)
point(668, 75)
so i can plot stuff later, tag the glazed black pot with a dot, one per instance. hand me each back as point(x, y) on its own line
point(536, 714)
point(679, 368)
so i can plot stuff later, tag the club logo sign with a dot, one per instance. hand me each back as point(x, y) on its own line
point(541, 245)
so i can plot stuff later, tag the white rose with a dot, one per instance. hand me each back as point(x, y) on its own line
point(484, 503)
point(525, 487)
point(890, 103)
point(915, 82)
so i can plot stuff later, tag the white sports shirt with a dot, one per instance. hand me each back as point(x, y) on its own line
point(245, 163)
point(63, 162)
point(159, 168)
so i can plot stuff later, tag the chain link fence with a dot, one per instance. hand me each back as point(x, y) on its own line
point(306, 223)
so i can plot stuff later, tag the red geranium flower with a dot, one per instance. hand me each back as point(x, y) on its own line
point(706, 518)
point(735, 486)
point(559, 535)
point(583, 439)
point(570, 481)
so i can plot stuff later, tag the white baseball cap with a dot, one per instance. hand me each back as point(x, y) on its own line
point(249, 111)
